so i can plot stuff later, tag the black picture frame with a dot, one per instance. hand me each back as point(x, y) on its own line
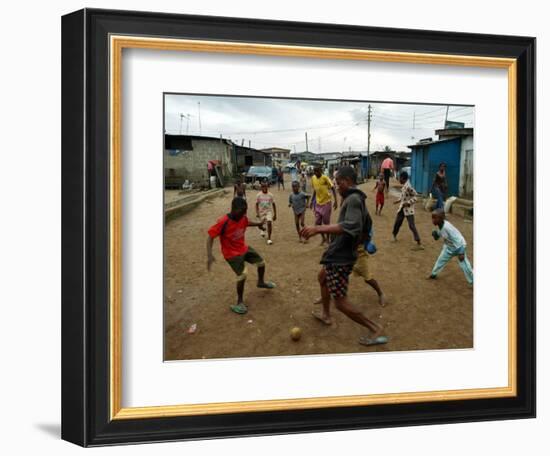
point(85, 227)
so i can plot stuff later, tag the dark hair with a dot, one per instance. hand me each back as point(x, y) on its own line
point(347, 172)
point(295, 182)
point(404, 175)
point(440, 212)
point(238, 204)
point(442, 164)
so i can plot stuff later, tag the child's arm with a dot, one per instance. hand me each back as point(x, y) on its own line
point(257, 209)
point(274, 211)
point(375, 186)
point(289, 200)
point(411, 197)
point(312, 198)
point(351, 225)
point(260, 223)
point(309, 231)
point(211, 259)
point(401, 198)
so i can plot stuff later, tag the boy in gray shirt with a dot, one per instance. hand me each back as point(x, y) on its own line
point(341, 254)
point(298, 201)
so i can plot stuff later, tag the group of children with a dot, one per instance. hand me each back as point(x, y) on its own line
point(348, 240)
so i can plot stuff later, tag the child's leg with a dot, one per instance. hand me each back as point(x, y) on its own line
point(319, 220)
point(297, 223)
point(240, 291)
point(325, 296)
point(374, 284)
point(412, 227)
point(441, 261)
point(337, 279)
point(398, 222)
point(239, 267)
point(269, 229)
point(467, 269)
point(348, 309)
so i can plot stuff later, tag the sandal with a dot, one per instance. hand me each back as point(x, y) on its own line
point(240, 308)
point(380, 340)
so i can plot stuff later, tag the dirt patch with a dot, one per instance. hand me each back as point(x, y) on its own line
point(421, 314)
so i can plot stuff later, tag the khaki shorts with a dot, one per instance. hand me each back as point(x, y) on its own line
point(266, 216)
point(361, 267)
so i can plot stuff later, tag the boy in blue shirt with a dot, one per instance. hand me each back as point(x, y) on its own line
point(298, 201)
point(454, 244)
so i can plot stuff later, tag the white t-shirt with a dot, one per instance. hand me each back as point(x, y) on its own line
point(451, 236)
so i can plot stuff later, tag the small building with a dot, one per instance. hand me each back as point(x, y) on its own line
point(355, 160)
point(400, 159)
point(329, 155)
point(279, 156)
point(454, 147)
point(245, 157)
point(306, 156)
point(187, 157)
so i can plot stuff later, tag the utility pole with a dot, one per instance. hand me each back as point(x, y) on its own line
point(369, 117)
point(306, 143)
point(200, 126)
point(414, 120)
point(446, 116)
point(183, 116)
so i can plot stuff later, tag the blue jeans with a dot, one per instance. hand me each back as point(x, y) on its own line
point(446, 255)
point(438, 195)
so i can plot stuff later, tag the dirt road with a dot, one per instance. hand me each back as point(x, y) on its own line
point(420, 314)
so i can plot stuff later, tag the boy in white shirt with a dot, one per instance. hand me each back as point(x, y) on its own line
point(454, 244)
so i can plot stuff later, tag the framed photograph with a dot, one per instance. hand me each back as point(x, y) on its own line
point(269, 227)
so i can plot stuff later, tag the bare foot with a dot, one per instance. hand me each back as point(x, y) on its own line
point(382, 300)
point(323, 318)
point(318, 301)
point(378, 331)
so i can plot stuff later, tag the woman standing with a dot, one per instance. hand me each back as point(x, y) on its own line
point(439, 186)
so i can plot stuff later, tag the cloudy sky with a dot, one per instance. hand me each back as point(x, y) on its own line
point(331, 126)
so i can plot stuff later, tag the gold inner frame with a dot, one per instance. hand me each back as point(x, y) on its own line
point(117, 44)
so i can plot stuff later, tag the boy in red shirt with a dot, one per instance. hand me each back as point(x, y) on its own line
point(231, 228)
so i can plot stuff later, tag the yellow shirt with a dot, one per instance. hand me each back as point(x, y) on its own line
point(321, 185)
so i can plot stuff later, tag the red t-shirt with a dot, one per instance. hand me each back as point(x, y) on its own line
point(232, 240)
